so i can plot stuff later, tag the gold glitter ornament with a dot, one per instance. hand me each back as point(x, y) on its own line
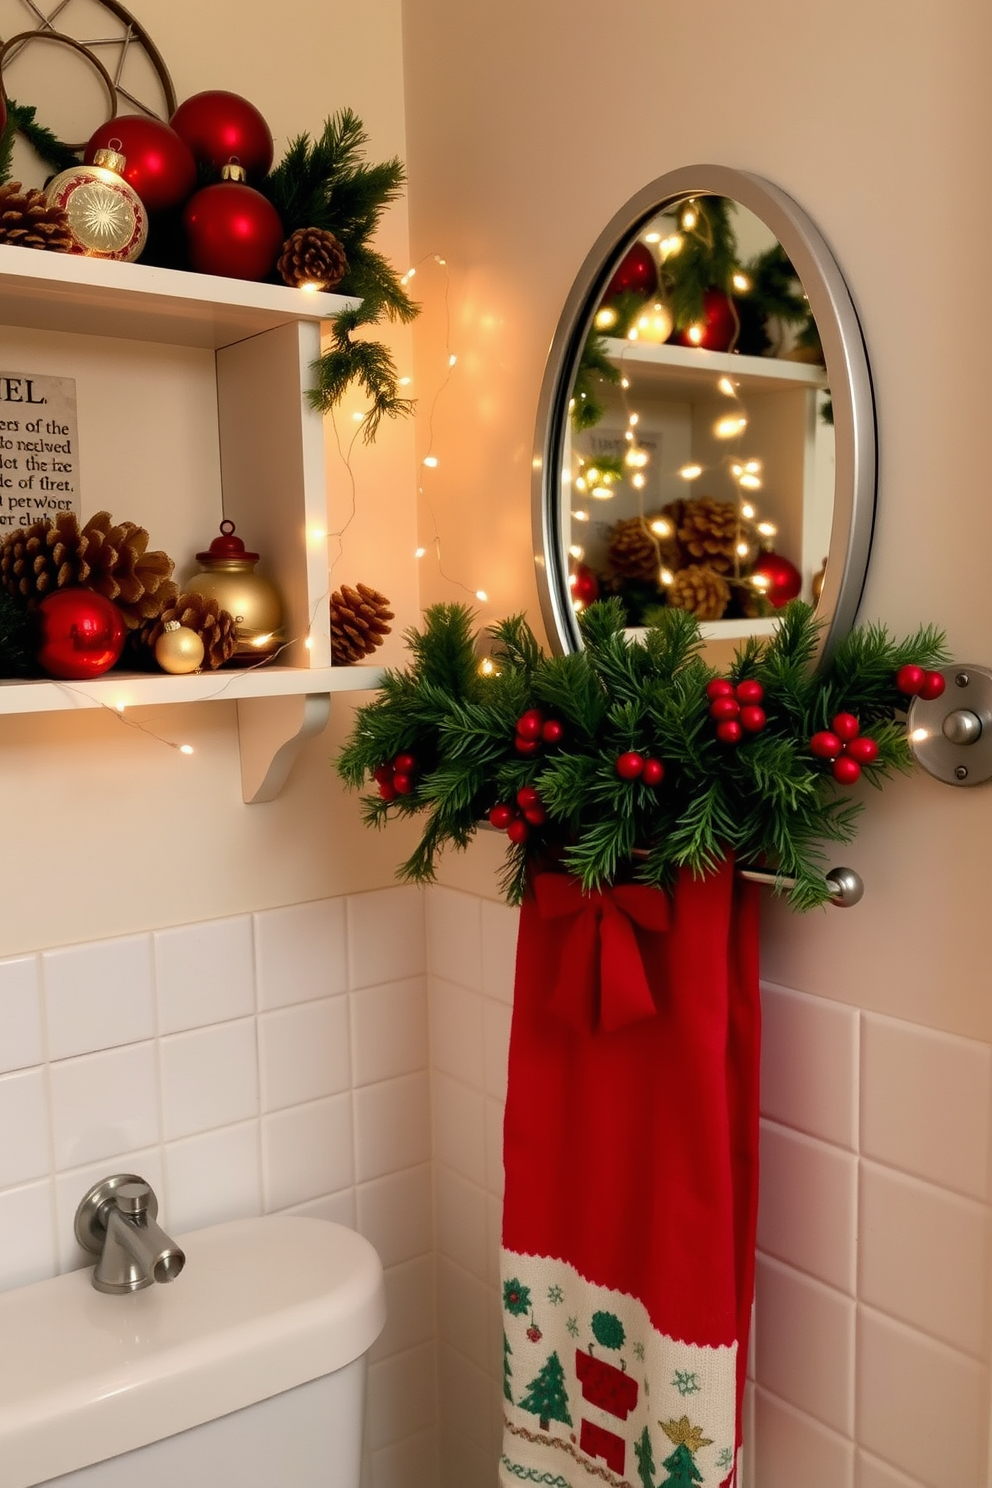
point(106, 216)
point(178, 649)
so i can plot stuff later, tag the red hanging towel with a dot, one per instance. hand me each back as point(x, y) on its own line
point(630, 1150)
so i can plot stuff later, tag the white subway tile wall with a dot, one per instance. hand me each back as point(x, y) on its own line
point(301, 1059)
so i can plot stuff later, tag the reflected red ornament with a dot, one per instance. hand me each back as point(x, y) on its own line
point(637, 274)
point(717, 330)
point(232, 229)
point(160, 166)
point(219, 127)
point(584, 584)
point(783, 579)
point(82, 634)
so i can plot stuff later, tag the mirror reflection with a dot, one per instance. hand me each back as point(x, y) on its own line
point(698, 460)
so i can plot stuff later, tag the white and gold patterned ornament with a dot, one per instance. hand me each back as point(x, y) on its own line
point(178, 649)
point(107, 218)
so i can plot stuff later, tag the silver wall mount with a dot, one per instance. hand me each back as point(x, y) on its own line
point(951, 736)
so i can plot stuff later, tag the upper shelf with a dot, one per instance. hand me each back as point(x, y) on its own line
point(136, 302)
point(120, 689)
point(687, 371)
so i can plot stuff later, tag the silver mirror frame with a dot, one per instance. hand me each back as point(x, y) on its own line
point(847, 373)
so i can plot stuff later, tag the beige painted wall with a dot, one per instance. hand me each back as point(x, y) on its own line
point(106, 830)
point(529, 126)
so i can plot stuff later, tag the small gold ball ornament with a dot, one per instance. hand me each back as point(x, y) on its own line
point(178, 649)
point(655, 324)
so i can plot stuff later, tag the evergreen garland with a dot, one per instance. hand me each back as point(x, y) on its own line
point(768, 800)
point(706, 260)
point(21, 120)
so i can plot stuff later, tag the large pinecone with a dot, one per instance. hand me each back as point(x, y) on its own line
point(710, 530)
point(311, 255)
point(27, 221)
point(701, 591)
point(637, 552)
point(110, 557)
point(358, 623)
point(215, 627)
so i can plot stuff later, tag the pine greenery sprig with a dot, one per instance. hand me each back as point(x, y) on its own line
point(767, 800)
point(21, 120)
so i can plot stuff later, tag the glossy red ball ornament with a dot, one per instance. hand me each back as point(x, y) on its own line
point(232, 230)
point(718, 328)
point(529, 724)
point(383, 774)
point(725, 707)
point(518, 831)
point(552, 732)
point(719, 687)
point(387, 790)
point(825, 745)
point(536, 815)
point(528, 796)
point(729, 731)
point(82, 634)
point(753, 718)
point(932, 687)
point(863, 749)
point(501, 816)
point(781, 580)
point(653, 772)
point(219, 127)
point(749, 691)
point(583, 584)
point(526, 747)
point(160, 166)
point(402, 784)
point(405, 763)
point(629, 766)
point(846, 770)
point(845, 726)
point(910, 678)
point(637, 273)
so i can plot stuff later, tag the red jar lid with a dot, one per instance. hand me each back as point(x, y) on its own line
point(227, 547)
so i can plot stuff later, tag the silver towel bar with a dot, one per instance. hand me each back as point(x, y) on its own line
point(847, 885)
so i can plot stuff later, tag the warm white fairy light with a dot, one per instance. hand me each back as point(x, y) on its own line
point(357, 417)
point(482, 596)
point(580, 516)
point(727, 387)
point(420, 553)
point(636, 458)
point(666, 577)
point(695, 334)
point(753, 467)
point(761, 581)
point(186, 749)
point(652, 237)
point(749, 482)
point(308, 643)
point(601, 493)
point(431, 462)
point(690, 472)
point(639, 481)
point(689, 218)
point(742, 550)
point(634, 420)
point(581, 484)
point(740, 282)
point(748, 512)
point(730, 426)
point(668, 247)
point(452, 360)
point(605, 318)
point(577, 552)
point(661, 527)
point(405, 381)
point(487, 667)
point(767, 529)
point(625, 383)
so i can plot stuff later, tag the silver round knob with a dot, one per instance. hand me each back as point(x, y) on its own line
point(848, 887)
point(962, 726)
point(132, 1198)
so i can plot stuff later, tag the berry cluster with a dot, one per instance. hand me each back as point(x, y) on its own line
point(846, 746)
point(395, 778)
point(736, 709)
point(634, 766)
point(915, 682)
point(533, 730)
point(516, 820)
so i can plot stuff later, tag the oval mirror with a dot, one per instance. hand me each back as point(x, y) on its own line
point(706, 433)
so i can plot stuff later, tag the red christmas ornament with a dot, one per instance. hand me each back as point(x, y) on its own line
point(402, 784)
point(82, 634)
point(783, 580)
point(910, 678)
point(526, 746)
point(719, 687)
point(530, 724)
point(536, 815)
point(219, 127)
point(637, 274)
point(552, 732)
point(753, 718)
point(724, 707)
point(630, 766)
point(653, 772)
point(583, 584)
point(845, 726)
point(233, 230)
point(717, 330)
point(406, 763)
point(729, 731)
point(160, 166)
point(749, 691)
point(846, 770)
point(862, 749)
point(387, 790)
point(518, 831)
point(932, 687)
point(527, 797)
point(825, 745)
point(501, 816)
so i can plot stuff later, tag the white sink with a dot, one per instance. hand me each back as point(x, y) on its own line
point(263, 1306)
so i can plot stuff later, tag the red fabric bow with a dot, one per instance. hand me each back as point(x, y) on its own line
point(599, 952)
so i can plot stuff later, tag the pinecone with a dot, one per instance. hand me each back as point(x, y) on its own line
point(110, 558)
point(312, 255)
point(710, 531)
point(637, 552)
point(358, 625)
point(215, 627)
point(701, 591)
point(27, 221)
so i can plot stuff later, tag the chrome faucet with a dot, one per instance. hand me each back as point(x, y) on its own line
point(117, 1222)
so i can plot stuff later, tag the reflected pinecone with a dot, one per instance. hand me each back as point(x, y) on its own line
point(27, 221)
point(198, 612)
point(699, 590)
point(358, 623)
point(710, 531)
point(638, 552)
point(311, 255)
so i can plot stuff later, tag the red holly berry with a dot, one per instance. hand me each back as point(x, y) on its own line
point(630, 766)
point(405, 763)
point(518, 831)
point(753, 718)
point(382, 774)
point(825, 745)
point(526, 746)
point(653, 772)
point(845, 726)
point(536, 815)
point(402, 784)
point(534, 1333)
point(725, 707)
point(933, 686)
point(729, 731)
point(387, 790)
point(846, 770)
point(528, 796)
point(749, 691)
point(719, 687)
point(909, 679)
point(552, 731)
point(863, 749)
point(529, 724)
point(501, 816)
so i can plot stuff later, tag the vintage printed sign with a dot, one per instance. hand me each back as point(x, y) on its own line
point(39, 449)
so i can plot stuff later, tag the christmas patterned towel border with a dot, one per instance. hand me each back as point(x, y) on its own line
point(630, 1155)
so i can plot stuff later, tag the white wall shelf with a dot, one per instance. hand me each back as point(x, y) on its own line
point(265, 455)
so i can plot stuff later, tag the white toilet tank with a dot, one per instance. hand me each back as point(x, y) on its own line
point(247, 1371)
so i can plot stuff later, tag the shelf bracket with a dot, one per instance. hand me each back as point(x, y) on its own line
point(273, 730)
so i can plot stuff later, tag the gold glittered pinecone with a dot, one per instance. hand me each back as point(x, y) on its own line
point(637, 551)
point(700, 590)
point(710, 531)
point(110, 557)
point(198, 612)
point(27, 221)
point(358, 623)
point(311, 255)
